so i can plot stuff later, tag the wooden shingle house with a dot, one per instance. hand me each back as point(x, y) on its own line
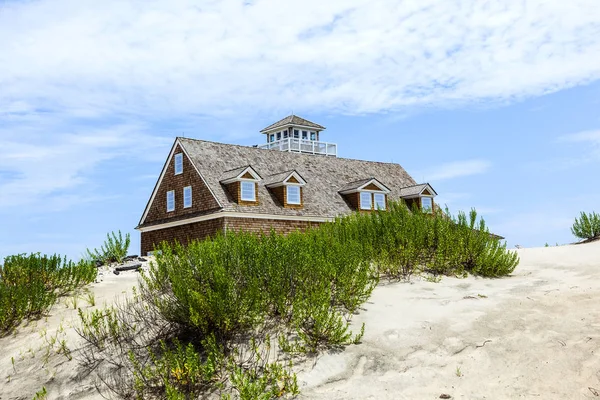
point(294, 181)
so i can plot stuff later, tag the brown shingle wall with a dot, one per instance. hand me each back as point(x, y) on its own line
point(265, 225)
point(202, 199)
point(182, 233)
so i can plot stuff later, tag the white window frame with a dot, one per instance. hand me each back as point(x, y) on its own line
point(428, 209)
point(178, 163)
point(242, 183)
point(376, 203)
point(171, 201)
point(287, 194)
point(362, 196)
point(187, 197)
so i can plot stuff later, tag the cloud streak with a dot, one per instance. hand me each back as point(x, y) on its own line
point(457, 169)
point(351, 56)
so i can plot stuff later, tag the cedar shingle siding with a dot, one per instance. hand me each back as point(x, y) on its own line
point(211, 163)
point(202, 199)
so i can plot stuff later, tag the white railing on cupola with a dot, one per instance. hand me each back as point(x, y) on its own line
point(302, 146)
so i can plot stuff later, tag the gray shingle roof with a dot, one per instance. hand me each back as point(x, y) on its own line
point(232, 173)
point(325, 176)
point(293, 120)
point(358, 184)
point(414, 190)
point(277, 178)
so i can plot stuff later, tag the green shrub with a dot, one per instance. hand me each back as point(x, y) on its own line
point(587, 226)
point(114, 249)
point(199, 305)
point(30, 285)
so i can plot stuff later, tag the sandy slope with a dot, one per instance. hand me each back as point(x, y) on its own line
point(32, 369)
point(534, 335)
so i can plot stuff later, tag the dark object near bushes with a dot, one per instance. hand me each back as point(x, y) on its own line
point(30, 285)
point(129, 267)
point(587, 226)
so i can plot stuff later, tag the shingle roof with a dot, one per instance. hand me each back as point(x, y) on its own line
point(325, 176)
point(232, 173)
point(277, 178)
point(358, 184)
point(414, 190)
point(293, 120)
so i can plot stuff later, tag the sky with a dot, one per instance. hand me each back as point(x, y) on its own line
point(495, 103)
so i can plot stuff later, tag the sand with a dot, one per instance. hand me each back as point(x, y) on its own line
point(535, 334)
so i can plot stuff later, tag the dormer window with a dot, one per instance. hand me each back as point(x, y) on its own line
point(419, 197)
point(178, 163)
point(366, 195)
point(427, 204)
point(366, 202)
point(380, 203)
point(287, 188)
point(293, 194)
point(242, 184)
point(248, 191)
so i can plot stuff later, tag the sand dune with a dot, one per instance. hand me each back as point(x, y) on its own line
point(533, 335)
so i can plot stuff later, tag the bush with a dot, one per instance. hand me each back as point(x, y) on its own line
point(202, 309)
point(114, 249)
point(30, 285)
point(587, 226)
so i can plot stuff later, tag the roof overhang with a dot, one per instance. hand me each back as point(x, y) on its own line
point(426, 188)
point(381, 188)
point(283, 127)
point(254, 176)
point(286, 181)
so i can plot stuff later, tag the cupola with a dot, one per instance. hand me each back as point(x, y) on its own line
point(296, 134)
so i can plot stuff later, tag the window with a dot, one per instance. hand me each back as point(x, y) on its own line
point(278, 135)
point(170, 200)
point(366, 201)
point(272, 137)
point(187, 197)
point(285, 134)
point(248, 191)
point(178, 163)
point(304, 135)
point(426, 204)
point(293, 194)
point(313, 136)
point(296, 133)
point(379, 201)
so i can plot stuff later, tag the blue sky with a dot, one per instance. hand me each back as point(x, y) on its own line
point(496, 104)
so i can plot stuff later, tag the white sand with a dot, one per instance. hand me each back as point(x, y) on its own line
point(536, 335)
point(541, 329)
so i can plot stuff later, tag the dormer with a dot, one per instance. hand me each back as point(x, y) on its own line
point(288, 188)
point(296, 134)
point(419, 196)
point(242, 184)
point(366, 194)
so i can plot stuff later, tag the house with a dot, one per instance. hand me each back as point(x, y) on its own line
point(293, 181)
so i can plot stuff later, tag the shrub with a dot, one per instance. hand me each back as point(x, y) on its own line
point(30, 285)
point(114, 249)
point(587, 226)
point(202, 309)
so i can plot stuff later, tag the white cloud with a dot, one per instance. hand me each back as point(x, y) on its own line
point(585, 136)
point(44, 170)
point(351, 56)
point(590, 141)
point(456, 169)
